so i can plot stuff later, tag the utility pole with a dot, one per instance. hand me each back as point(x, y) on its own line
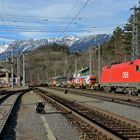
point(64, 73)
point(90, 61)
point(23, 57)
point(18, 69)
point(7, 68)
point(6, 59)
point(115, 39)
point(12, 68)
point(99, 63)
point(55, 72)
point(135, 47)
point(65, 66)
point(76, 66)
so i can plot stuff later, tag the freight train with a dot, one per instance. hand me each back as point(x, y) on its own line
point(58, 81)
point(121, 77)
point(75, 82)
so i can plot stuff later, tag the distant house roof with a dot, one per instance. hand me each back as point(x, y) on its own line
point(3, 70)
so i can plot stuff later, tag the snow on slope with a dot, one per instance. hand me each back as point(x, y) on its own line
point(75, 43)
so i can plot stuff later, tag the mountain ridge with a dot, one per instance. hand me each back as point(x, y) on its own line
point(75, 44)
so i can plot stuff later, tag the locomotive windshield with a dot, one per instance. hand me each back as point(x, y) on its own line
point(137, 68)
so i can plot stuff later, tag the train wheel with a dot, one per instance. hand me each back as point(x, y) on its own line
point(138, 93)
point(129, 92)
point(125, 91)
point(107, 89)
point(113, 90)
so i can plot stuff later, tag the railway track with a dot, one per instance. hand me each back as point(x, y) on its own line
point(121, 128)
point(121, 99)
point(7, 105)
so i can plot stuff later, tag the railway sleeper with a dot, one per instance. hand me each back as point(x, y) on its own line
point(84, 111)
point(92, 136)
point(118, 127)
point(124, 129)
point(130, 132)
point(110, 125)
point(110, 119)
point(121, 126)
point(133, 137)
point(96, 119)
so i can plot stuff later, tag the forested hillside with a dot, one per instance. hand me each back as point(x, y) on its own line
point(54, 60)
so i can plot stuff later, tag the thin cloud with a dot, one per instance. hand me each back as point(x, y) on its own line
point(97, 13)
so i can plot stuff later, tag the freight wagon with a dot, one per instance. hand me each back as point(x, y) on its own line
point(84, 81)
point(59, 81)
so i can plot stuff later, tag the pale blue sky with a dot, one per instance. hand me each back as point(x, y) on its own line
point(52, 17)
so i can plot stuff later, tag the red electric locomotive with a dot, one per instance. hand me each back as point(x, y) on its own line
point(123, 77)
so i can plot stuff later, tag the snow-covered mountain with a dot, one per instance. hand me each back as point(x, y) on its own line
point(75, 43)
point(3, 48)
point(83, 43)
point(68, 40)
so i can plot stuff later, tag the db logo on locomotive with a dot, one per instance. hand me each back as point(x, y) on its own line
point(125, 75)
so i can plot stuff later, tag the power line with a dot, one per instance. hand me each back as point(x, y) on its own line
point(4, 6)
point(70, 10)
point(2, 20)
point(87, 26)
point(1, 14)
point(52, 31)
point(30, 20)
point(44, 29)
point(47, 17)
point(74, 18)
point(32, 17)
point(2, 17)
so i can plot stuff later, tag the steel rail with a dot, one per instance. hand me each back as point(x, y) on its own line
point(120, 128)
point(113, 98)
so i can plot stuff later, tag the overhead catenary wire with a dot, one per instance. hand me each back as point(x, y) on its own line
point(3, 4)
point(51, 31)
point(36, 18)
point(74, 18)
point(2, 19)
point(70, 11)
point(8, 16)
point(44, 29)
point(41, 21)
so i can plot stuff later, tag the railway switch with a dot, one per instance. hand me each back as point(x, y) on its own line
point(40, 106)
